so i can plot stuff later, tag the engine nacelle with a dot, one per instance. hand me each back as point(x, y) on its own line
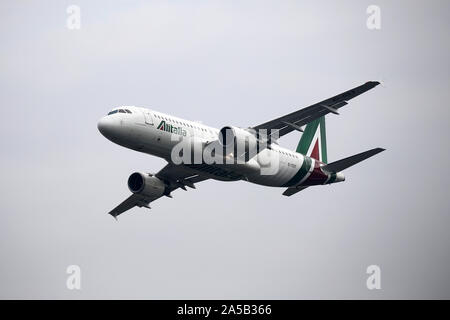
point(240, 141)
point(232, 135)
point(145, 184)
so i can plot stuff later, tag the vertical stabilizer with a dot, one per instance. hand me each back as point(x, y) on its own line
point(313, 142)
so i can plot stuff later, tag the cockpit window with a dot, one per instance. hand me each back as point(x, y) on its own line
point(119, 111)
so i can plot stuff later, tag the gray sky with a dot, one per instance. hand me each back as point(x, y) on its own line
point(225, 63)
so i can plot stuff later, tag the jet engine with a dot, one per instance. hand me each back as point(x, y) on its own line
point(240, 142)
point(237, 142)
point(233, 135)
point(146, 185)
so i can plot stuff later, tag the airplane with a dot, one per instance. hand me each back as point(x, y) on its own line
point(159, 134)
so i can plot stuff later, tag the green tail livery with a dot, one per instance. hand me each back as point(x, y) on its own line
point(314, 140)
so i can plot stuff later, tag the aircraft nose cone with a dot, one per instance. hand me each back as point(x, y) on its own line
point(106, 126)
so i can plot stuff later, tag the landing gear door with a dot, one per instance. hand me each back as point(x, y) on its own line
point(148, 117)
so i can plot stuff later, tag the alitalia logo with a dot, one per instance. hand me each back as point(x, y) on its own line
point(170, 128)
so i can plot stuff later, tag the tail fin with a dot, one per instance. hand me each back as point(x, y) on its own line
point(351, 161)
point(313, 142)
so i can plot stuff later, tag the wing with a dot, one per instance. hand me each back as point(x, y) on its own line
point(295, 120)
point(174, 177)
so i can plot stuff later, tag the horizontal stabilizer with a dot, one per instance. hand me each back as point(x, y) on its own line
point(351, 161)
point(290, 191)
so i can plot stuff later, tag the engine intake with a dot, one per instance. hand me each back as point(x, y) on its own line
point(239, 142)
point(233, 135)
point(145, 184)
point(226, 136)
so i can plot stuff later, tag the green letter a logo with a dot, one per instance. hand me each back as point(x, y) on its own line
point(162, 125)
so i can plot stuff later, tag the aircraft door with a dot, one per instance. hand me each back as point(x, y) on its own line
point(148, 118)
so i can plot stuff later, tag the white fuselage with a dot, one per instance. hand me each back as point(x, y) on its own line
point(140, 129)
